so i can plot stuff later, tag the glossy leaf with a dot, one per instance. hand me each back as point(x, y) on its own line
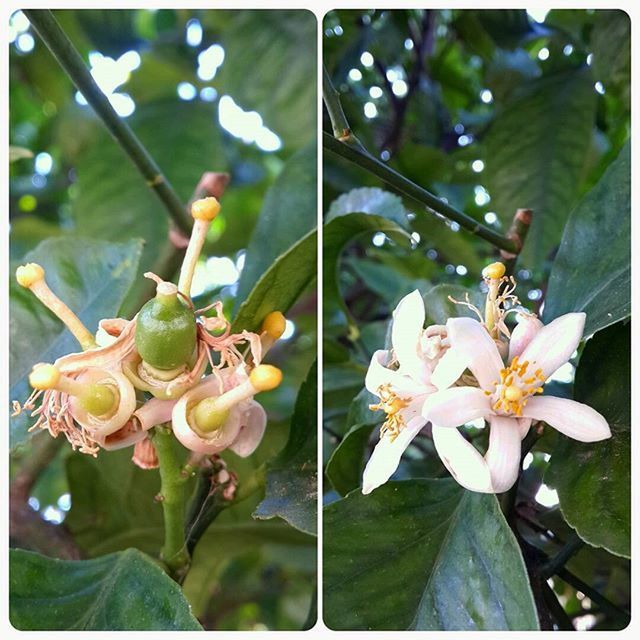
point(346, 464)
point(288, 213)
point(592, 271)
point(439, 308)
point(423, 554)
point(594, 480)
point(121, 591)
point(92, 277)
point(292, 478)
point(281, 285)
point(535, 153)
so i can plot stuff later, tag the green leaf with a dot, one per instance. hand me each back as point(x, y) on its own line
point(362, 210)
point(121, 591)
point(224, 542)
point(440, 308)
point(592, 271)
point(112, 504)
point(423, 554)
point(346, 464)
point(594, 480)
point(270, 57)
point(281, 285)
point(92, 277)
point(292, 478)
point(535, 153)
point(288, 213)
point(113, 201)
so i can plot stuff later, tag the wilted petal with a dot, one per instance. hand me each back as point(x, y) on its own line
point(553, 345)
point(406, 330)
point(455, 406)
point(253, 423)
point(462, 459)
point(469, 336)
point(386, 456)
point(523, 333)
point(503, 455)
point(574, 419)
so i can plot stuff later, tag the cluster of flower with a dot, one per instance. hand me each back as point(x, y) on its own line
point(474, 369)
point(137, 374)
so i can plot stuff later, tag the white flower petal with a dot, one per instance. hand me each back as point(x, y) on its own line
point(523, 333)
point(379, 375)
point(503, 455)
point(462, 459)
point(524, 424)
point(553, 345)
point(253, 423)
point(469, 336)
point(449, 368)
point(386, 456)
point(406, 331)
point(574, 419)
point(455, 406)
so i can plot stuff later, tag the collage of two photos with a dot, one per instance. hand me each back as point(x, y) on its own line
point(367, 373)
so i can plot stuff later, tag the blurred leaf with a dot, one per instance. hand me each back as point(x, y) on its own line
point(113, 202)
point(270, 60)
point(508, 71)
point(27, 232)
point(281, 285)
point(92, 277)
point(222, 543)
point(19, 153)
point(292, 478)
point(423, 554)
point(356, 212)
point(113, 505)
point(592, 271)
point(121, 591)
point(346, 464)
point(594, 480)
point(440, 308)
point(535, 153)
point(288, 213)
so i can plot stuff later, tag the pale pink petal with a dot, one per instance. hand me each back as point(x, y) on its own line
point(406, 331)
point(503, 454)
point(462, 459)
point(449, 368)
point(253, 426)
point(524, 424)
point(154, 412)
point(523, 333)
point(468, 336)
point(386, 456)
point(453, 407)
point(379, 375)
point(553, 345)
point(574, 419)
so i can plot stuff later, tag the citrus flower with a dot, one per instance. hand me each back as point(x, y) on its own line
point(400, 378)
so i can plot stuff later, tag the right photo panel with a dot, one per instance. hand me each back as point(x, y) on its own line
point(477, 319)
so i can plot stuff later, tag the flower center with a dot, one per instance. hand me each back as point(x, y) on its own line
point(392, 405)
point(516, 385)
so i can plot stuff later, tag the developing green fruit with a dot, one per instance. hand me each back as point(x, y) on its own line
point(166, 330)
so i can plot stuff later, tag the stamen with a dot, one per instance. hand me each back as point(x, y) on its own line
point(392, 405)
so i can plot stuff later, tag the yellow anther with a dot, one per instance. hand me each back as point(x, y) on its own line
point(29, 273)
point(265, 377)
point(488, 393)
point(494, 271)
point(274, 324)
point(44, 376)
point(539, 390)
point(513, 394)
point(205, 209)
point(530, 380)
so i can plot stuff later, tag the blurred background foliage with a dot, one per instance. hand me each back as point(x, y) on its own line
point(491, 110)
point(205, 91)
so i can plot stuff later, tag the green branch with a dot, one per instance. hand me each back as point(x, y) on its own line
point(71, 62)
point(344, 144)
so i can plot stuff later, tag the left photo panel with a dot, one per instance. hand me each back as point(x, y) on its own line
point(163, 319)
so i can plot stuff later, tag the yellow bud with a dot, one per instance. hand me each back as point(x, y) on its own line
point(513, 394)
point(27, 274)
point(44, 376)
point(205, 209)
point(494, 271)
point(274, 324)
point(265, 377)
